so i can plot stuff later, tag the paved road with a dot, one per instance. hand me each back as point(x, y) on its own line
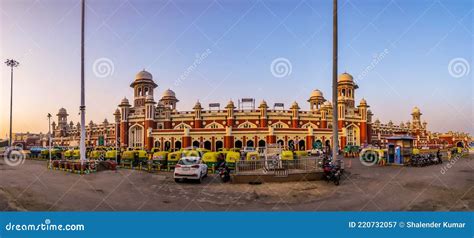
point(32, 187)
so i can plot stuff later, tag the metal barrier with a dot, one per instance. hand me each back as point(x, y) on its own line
point(278, 167)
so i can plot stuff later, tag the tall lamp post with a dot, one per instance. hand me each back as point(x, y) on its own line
point(82, 108)
point(335, 136)
point(12, 64)
point(49, 137)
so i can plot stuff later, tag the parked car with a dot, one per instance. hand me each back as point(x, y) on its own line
point(191, 167)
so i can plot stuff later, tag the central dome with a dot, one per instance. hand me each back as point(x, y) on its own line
point(144, 75)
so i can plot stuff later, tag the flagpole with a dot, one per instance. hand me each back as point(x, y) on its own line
point(83, 106)
point(335, 128)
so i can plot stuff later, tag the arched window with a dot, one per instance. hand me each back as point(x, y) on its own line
point(281, 142)
point(196, 144)
point(219, 145)
point(136, 136)
point(167, 146)
point(139, 92)
point(250, 143)
point(214, 125)
point(301, 145)
point(182, 125)
point(177, 145)
point(261, 143)
point(343, 92)
point(238, 144)
point(247, 125)
point(207, 145)
point(146, 91)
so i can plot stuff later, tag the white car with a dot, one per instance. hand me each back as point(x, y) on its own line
point(190, 167)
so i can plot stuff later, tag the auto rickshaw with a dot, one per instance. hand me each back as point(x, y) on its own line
point(287, 155)
point(231, 158)
point(127, 158)
point(158, 159)
point(111, 154)
point(253, 155)
point(56, 153)
point(68, 153)
point(301, 153)
point(210, 158)
point(97, 153)
point(173, 158)
point(36, 151)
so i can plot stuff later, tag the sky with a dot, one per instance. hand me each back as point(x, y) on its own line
point(402, 54)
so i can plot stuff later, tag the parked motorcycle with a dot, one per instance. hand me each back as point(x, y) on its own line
point(332, 173)
point(224, 172)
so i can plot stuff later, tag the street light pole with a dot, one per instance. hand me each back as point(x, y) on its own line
point(335, 128)
point(49, 133)
point(82, 146)
point(11, 63)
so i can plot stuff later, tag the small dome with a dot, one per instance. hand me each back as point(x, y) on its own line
point(169, 93)
point(363, 102)
point(294, 104)
point(416, 110)
point(62, 111)
point(316, 93)
point(144, 75)
point(105, 121)
point(124, 101)
point(230, 104)
point(197, 105)
point(345, 77)
point(117, 111)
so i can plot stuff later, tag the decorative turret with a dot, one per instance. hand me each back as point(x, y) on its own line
point(263, 113)
point(117, 115)
point(143, 85)
point(295, 110)
point(346, 88)
point(124, 108)
point(197, 115)
point(230, 107)
point(316, 100)
point(168, 99)
point(363, 109)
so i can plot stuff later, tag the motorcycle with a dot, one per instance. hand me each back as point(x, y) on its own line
point(224, 172)
point(332, 173)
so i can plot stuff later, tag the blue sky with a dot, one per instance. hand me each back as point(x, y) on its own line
point(419, 38)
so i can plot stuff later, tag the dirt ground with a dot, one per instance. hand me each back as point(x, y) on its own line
point(32, 187)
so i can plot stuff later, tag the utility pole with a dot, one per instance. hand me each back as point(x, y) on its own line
point(82, 108)
point(335, 136)
point(11, 63)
